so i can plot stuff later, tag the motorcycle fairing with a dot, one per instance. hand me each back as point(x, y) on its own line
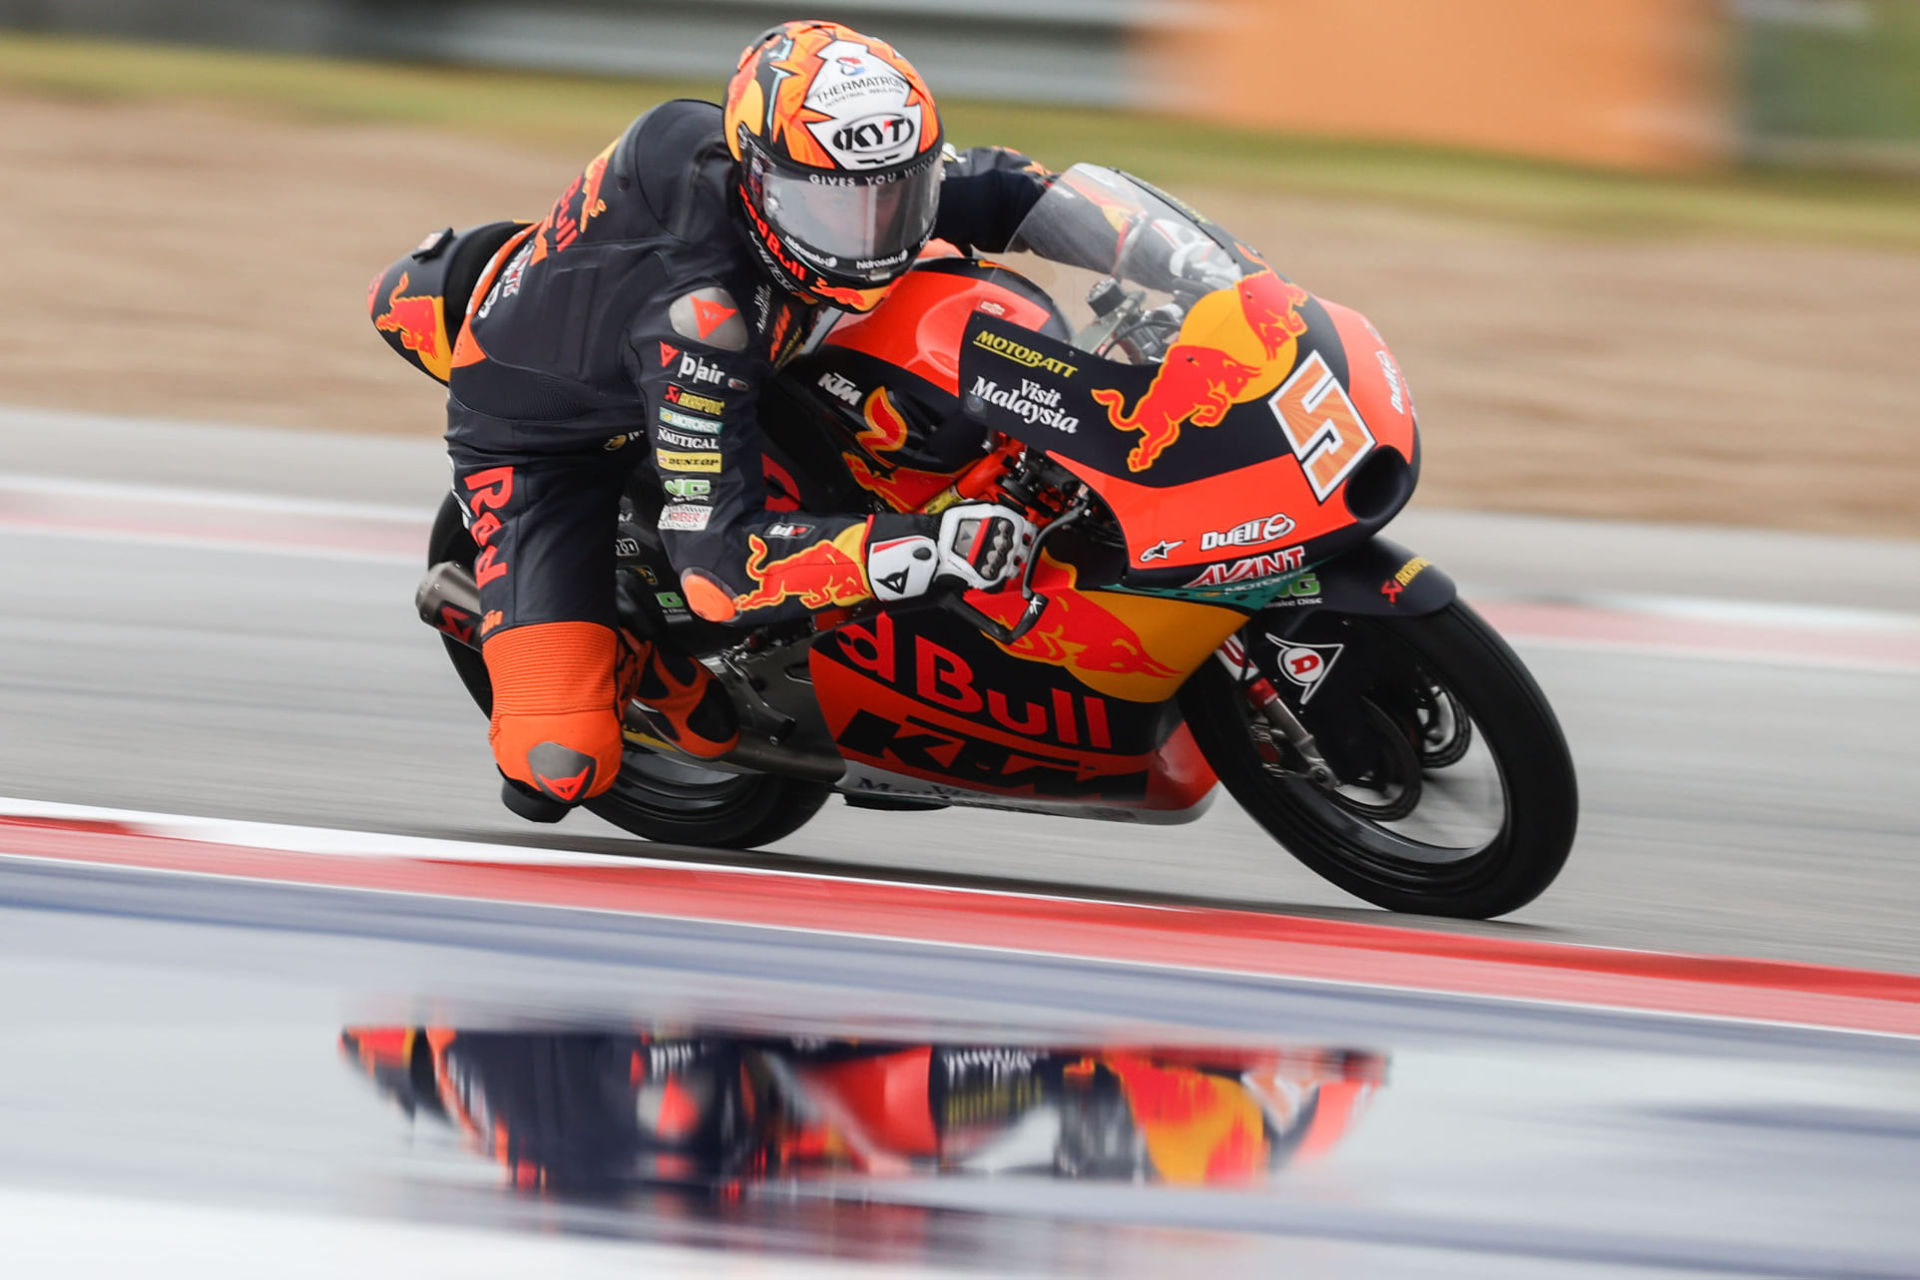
point(918, 707)
point(1247, 469)
point(1379, 578)
point(918, 328)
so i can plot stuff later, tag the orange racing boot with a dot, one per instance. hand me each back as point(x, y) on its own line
point(556, 715)
point(678, 697)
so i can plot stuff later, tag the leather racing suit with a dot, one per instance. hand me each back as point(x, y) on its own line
point(636, 322)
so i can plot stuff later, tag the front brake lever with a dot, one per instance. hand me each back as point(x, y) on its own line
point(1036, 603)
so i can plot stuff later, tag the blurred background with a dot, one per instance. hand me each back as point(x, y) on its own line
point(1652, 271)
point(1645, 259)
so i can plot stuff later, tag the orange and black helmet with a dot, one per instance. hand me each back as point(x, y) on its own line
point(839, 148)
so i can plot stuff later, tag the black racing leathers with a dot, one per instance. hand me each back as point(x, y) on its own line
point(636, 320)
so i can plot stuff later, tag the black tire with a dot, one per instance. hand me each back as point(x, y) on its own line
point(656, 797)
point(1457, 651)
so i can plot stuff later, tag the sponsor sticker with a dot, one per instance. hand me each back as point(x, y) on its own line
point(509, 282)
point(1253, 533)
point(840, 388)
point(788, 530)
point(687, 487)
point(671, 461)
point(686, 519)
point(1161, 550)
point(687, 421)
point(1396, 392)
point(694, 401)
point(864, 117)
point(620, 441)
point(670, 600)
point(1253, 571)
point(1022, 355)
point(695, 369)
point(1036, 403)
point(1407, 572)
point(1306, 665)
point(666, 435)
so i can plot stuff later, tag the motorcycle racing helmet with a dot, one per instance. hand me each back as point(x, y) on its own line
point(838, 151)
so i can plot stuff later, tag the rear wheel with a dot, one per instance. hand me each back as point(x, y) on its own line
point(656, 796)
point(1467, 805)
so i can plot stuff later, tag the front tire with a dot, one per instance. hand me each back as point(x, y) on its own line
point(657, 797)
point(1447, 695)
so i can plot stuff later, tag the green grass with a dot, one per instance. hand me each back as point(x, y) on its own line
point(578, 113)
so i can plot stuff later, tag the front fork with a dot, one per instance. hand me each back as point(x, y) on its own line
point(1271, 707)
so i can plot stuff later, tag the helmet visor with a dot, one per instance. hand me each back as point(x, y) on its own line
point(863, 227)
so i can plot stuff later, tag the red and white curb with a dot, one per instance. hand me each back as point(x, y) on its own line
point(1201, 938)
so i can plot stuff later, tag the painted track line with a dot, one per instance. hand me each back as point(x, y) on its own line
point(1208, 939)
point(221, 520)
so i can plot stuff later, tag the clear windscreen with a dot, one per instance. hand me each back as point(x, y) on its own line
point(1123, 263)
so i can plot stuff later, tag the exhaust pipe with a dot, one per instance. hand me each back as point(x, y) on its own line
point(449, 602)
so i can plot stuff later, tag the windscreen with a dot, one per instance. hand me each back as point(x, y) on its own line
point(1123, 262)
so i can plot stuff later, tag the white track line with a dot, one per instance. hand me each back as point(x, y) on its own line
point(32, 489)
point(202, 499)
point(342, 842)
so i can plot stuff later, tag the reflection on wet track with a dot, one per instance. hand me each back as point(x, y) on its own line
point(174, 1070)
point(589, 1110)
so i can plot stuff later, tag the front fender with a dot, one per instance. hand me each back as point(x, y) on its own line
point(1379, 578)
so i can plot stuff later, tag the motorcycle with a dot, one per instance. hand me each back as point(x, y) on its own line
point(1211, 453)
point(706, 1109)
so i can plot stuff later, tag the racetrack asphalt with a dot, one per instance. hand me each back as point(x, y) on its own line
point(1760, 807)
point(172, 1066)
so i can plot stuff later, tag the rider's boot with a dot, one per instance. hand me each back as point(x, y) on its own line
point(678, 697)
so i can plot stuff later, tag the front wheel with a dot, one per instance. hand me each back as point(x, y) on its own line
point(1468, 804)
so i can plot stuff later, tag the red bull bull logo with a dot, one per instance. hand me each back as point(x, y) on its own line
point(1128, 647)
point(1233, 347)
point(820, 576)
point(419, 321)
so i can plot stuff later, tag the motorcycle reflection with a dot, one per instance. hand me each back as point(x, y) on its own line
point(605, 1109)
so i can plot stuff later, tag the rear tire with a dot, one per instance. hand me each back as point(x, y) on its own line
point(1351, 844)
point(656, 797)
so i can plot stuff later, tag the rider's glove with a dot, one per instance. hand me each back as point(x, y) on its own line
point(1203, 263)
point(979, 545)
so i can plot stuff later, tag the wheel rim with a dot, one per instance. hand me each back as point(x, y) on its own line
point(1436, 753)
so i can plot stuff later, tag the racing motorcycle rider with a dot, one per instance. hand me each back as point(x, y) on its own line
point(678, 271)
